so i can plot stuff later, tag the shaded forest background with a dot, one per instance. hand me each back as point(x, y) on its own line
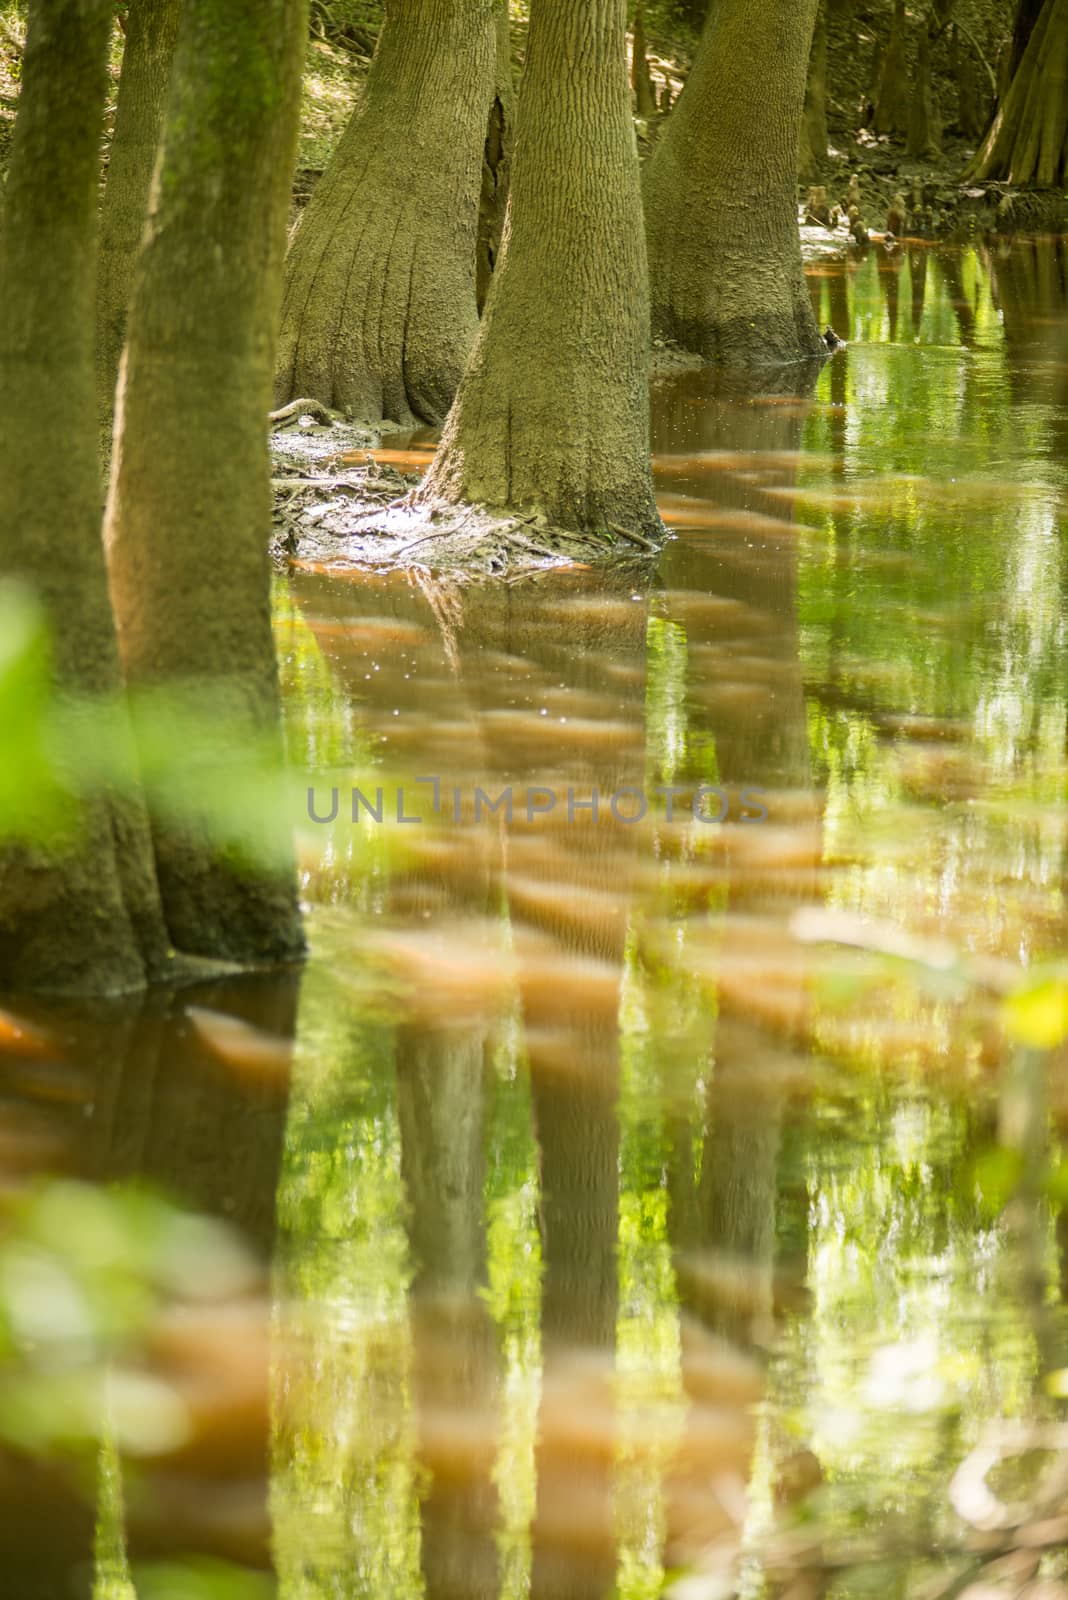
point(971, 54)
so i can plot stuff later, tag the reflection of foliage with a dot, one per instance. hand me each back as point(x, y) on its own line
point(83, 1273)
point(344, 1482)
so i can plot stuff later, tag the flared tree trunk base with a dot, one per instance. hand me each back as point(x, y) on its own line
point(379, 310)
point(1028, 142)
point(726, 272)
point(776, 340)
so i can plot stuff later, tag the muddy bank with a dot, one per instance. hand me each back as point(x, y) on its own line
point(342, 499)
point(918, 199)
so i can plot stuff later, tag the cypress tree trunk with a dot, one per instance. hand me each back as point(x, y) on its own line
point(496, 160)
point(151, 32)
point(85, 917)
point(189, 512)
point(379, 312)
point(814, 121)
point(641, 79)
point(891, 96)
point(553, 411)
point(1027, 15)
point(925, 134)
point(971, 117)
point(721, 192)
point(1028, 140)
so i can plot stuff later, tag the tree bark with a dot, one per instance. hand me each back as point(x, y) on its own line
point(814, 121)
point(379, 311)
point(151, 32)
point(553, 412)
point(496, 160)
point(721, 192)
point(971, 117)
point(891, 97)
point(1027, 15)
point(641, 79)
point(925, 134)
point(189, 512)
point(83, 916)
point(1028, 140)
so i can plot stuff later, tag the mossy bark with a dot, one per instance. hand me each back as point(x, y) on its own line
point(721, 192)
point(553, 412)
point(496, 160)
point(813, 152)
point(151, 33)
point(1028, 140)
point(1027, 15)
point(379, 312)
point(84, 916)
point(189, 511)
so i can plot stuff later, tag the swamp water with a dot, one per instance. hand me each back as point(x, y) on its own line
point(641, 1204)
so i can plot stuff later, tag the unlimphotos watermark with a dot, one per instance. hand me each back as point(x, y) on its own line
point(707, 804)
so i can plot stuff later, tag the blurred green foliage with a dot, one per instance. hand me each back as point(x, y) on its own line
point(83, 1272)
point(197, 762)
point(35, 796)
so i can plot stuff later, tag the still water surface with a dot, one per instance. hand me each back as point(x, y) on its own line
point(625, 1205)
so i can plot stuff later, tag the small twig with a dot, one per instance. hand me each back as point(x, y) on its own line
point(438, 533)
point(635, 538)
point(403, 551)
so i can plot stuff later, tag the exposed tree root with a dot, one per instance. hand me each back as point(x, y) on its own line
point(340, 504)
point(384, 530)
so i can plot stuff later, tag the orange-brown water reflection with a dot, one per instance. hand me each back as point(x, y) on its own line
point(614, 1209)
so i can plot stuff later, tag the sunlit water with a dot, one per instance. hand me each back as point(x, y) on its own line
point(624, 1216)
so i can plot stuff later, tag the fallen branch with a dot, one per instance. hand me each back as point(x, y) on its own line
point(299, 408)
point(295, 484)
point(635, 538)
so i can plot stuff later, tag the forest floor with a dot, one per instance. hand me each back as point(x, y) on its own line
point(938, 204)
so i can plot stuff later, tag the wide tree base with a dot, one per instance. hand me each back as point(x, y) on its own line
point(1027, 144)
point(343, 502)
